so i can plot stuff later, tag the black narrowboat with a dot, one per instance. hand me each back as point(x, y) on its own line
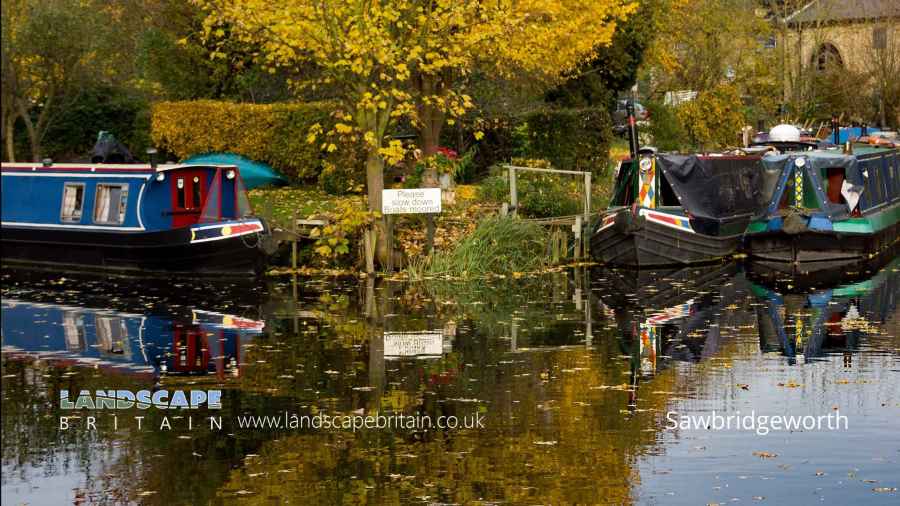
point(670, 210)
point(130, 219)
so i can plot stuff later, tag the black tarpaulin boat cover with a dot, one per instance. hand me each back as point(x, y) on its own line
point(817, 162)
point(715, 188)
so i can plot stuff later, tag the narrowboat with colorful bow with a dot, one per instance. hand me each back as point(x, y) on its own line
point(827, 210)
point(671, 210)
point(130, 218)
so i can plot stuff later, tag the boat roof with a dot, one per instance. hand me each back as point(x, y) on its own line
point(136, 168)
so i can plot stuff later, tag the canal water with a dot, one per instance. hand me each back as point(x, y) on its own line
point(583, 386)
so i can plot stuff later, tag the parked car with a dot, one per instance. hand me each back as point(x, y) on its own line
point(620, 115)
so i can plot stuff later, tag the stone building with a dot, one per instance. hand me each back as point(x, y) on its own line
point(861, 36)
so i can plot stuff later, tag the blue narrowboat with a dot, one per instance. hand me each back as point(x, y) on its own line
point(130, 218)
point(827, 211)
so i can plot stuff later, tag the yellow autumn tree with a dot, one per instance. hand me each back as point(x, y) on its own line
point(388, 59)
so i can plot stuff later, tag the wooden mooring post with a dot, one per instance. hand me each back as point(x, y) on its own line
point(294, 240)
point(513, 192)
point(577, 229)
point(389, 226)
point(369, 249)
point(587, 214)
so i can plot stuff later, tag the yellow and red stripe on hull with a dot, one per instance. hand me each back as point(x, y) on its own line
point(204, 233)
point(668, 220)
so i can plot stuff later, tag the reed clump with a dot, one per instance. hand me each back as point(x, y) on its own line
point(499, 245)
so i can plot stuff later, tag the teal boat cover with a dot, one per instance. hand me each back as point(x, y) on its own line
point(254, 174)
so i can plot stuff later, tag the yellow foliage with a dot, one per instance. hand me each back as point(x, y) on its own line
point(374, 48)
point(715, 118)
point(283, 135)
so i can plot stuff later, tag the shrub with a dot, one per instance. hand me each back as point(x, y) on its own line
point(571, 139)
point(540, 195)
point(498, 245)
point(341, 179)
point(272, 133)
point(714, 119)
point(333, 241)
point(74, 132)
point(495, 187)
point(665, 128)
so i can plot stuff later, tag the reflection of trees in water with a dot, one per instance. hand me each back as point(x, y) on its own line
point(551, 412)
point(31, 440)
point(324, 351)
point(550, 440)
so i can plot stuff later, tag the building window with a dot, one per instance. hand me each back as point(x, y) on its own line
point(72, 202)
point(879, 37)
point(828, 57)
point(111, 204)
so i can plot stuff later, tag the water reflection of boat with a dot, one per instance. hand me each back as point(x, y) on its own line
point(673, 314)
point(202, 343)
point(652, 288)
point(827, 320)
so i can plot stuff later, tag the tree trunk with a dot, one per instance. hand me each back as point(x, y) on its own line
point(10, 121)
point(431, 121)
point(374, 178)
point(374, 185)
point(32, 134)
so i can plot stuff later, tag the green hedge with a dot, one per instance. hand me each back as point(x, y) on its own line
point(272, 133)
point(570, 139)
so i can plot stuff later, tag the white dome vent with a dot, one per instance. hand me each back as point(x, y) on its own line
point(784, 133)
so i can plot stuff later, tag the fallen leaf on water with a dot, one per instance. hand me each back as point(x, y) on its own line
point(790, 384)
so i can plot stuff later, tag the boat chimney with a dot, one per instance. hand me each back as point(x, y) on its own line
point(151, 152)
point(632, 130)
point(835, 130)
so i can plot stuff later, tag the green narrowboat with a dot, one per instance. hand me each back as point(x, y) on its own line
point(827, 210)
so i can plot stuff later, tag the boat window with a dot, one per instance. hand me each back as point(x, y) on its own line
point(72, 202)
point(112, 335)
point(110, 204)
point(835, 177)
point(874, 181)
point(73, 326)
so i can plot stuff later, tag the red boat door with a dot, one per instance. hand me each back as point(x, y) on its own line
point(188, 195)
point(190, 351)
